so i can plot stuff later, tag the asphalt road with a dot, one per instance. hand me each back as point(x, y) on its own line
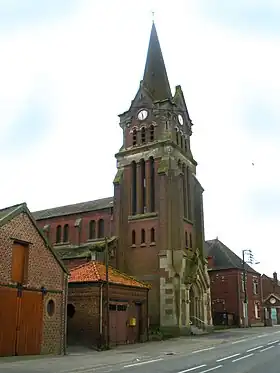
point(250, 352)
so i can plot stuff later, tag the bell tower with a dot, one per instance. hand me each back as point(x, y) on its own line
point(158, 213)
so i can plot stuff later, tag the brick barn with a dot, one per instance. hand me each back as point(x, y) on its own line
point(225, 269)
point(33, 288)
point(87, 310)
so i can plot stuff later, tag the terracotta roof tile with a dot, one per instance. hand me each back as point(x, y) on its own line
point(95, 271)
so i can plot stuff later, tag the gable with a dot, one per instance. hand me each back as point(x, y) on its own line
point(272, 300)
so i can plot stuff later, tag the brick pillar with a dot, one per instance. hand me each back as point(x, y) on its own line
point(139, 189)
point(148, 185)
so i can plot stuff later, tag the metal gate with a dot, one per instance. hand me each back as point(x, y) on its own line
point(21, 322)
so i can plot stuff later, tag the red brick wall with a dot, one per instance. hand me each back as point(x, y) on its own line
point(227, 294)
point(43, 270)
point(269, 286)
point(73, 231)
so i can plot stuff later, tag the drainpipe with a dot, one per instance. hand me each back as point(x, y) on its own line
point(64, 346)
point(101, 313)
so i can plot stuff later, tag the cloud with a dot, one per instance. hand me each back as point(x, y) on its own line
point(81, 68)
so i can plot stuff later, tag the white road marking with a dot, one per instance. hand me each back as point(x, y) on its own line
point(255, 348)
point(267, 348)
point(209, 370)
point(142, 363)
point(262, 335)
point(271, 343)
point(204, 349)
point(191, 369)
point(241, 358)
point(239, 341)
point(226, 358)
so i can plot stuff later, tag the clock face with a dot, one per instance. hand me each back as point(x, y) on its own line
point(180, 119)
point(142, 114)
point(272, 300)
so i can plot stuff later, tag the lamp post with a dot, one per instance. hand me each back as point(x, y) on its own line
point(244, 274)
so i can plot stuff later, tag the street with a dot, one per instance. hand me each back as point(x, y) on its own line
point(241, 351)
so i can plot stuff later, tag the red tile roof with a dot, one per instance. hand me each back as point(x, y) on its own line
point(95, 271)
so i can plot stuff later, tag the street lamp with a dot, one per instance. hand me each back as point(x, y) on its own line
point(244, 270)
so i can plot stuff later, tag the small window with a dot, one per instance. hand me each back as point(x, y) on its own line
point(66, 233)
point(112, 307)
point(91, 233)
point(121, 307)
point(182, 141)
point(186, 145)
point(186, 240)
point(134, 137)
point(101, 228)
point(133, 237)
point(143, 135)
point(143, 236)
point(153, 235)
point(152, 133)
point(191, 245)
point(50, 307)
point(177, 137)
point(255, 287)
point(58, 234)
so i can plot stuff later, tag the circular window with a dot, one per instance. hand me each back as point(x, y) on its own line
point(50, 307)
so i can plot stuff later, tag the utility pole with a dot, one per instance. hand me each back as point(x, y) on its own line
point(107, 295)
point(244, 272)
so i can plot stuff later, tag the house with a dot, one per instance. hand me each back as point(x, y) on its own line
point(271, 299)
point(226, 270)
point(88, 307)
point(33, 288)
point(155, 219)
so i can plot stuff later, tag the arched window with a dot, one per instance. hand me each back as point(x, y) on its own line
point(134, 188)
point(177, 136)
point(143, 135)
point(58, 234)
point(133, 237)
point(186, 145)
point(134, 137)
point(185, 200)
point(153, 235)
point(100, 228)
point(143, 185)
point(92, 230)
point(143, 236)
point(191, 241)
point(152, 181)
point(188, 176)
point(186, 240)
point(66, 233)
point(182, 141)
point(152, 133)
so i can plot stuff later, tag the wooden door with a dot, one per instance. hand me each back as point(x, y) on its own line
point(122, 318)
point(113, 323)
point(30, 323)
point(8, 317)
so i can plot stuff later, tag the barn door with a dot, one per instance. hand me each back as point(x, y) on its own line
point(30, 323)
point(8, 317)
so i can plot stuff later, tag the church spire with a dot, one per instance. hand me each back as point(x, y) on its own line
point(155, 76)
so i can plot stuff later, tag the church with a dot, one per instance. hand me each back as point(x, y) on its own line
point(154, 223)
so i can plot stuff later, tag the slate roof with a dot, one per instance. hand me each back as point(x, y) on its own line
point(223, 257)
point(98, 204)
point(96, 272)
point(9, 213)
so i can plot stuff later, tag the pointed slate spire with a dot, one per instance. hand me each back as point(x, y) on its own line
point(155, 76)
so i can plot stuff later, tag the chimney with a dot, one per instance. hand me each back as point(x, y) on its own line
point(275, 277)
point(210, 262)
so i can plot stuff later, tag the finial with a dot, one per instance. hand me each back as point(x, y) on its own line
point(153, 16)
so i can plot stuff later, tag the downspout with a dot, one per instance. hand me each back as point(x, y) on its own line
point(238, 297)
point(64, 345)
point(101, 313)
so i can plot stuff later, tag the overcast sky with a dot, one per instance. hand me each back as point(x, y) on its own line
point(68, 68)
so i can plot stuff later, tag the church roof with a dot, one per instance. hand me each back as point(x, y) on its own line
point(223, 257)
point(77, 208)
point(155, 77)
